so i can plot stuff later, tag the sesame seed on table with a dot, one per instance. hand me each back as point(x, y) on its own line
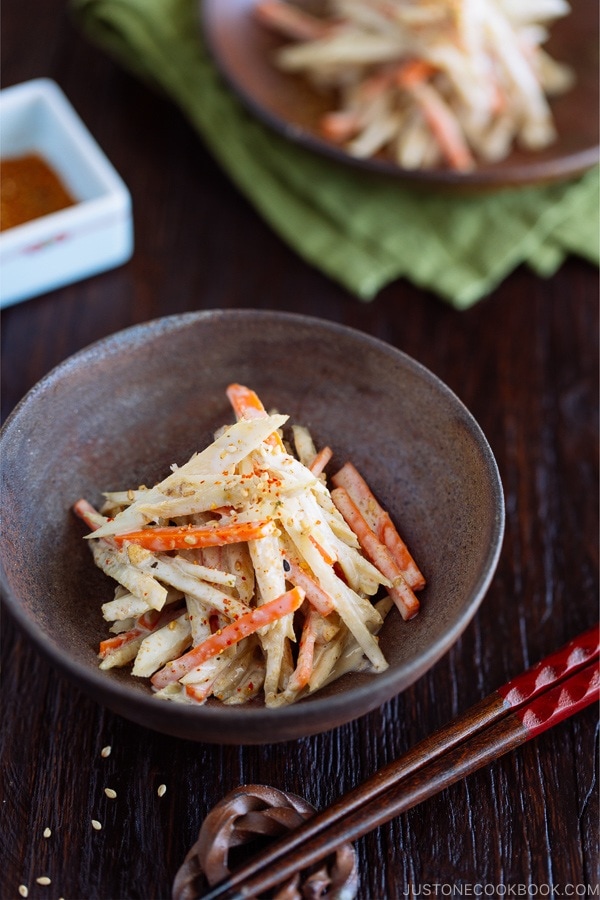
point(97, 807)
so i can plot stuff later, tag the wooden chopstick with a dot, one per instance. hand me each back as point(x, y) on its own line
point(556, 688)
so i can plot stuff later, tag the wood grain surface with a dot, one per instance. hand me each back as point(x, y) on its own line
point(524, 360)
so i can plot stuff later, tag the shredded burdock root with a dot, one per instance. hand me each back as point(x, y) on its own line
point(428, 83)
point(242, 575)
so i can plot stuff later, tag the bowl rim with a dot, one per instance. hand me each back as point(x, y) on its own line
point(217, 716)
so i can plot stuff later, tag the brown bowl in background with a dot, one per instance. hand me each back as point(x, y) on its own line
point(244, 52)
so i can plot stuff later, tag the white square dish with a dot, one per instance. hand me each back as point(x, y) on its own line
point(93, 235)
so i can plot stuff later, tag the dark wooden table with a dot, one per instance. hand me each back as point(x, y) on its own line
point(524, 360)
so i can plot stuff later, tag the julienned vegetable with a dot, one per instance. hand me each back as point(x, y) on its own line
point(427, 82)
point(241, 573)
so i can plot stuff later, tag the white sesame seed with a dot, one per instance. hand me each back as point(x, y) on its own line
point(110, 793)
point(23, 891)
point(162, 790)
point(43, 879)
point(47, 832)
point(105, 751)
point(96, 824)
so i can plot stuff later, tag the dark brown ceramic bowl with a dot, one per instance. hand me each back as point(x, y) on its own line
point(244, 52)
point(123, 410)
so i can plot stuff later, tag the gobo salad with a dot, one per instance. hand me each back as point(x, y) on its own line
point(242, 572)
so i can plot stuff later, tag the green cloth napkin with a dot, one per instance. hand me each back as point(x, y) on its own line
point(362, 233)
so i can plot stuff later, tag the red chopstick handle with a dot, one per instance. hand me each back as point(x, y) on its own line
point(566, 699)
point(577, 653)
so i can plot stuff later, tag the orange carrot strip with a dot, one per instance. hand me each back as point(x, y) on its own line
point(340, 126)
point(379, 521)
point(199, 692)
point(306, 653)
point(246, 402)
point(92, 518)
point(315, 594)
point(443, 125)
point(119, 640)
point(330, 560)
point(321, 460)
point(247, 624)
point(413, 76)
point(400, 592)
point(414, 72)
point(147, 622)
point(247, 405)
point(186, 537)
